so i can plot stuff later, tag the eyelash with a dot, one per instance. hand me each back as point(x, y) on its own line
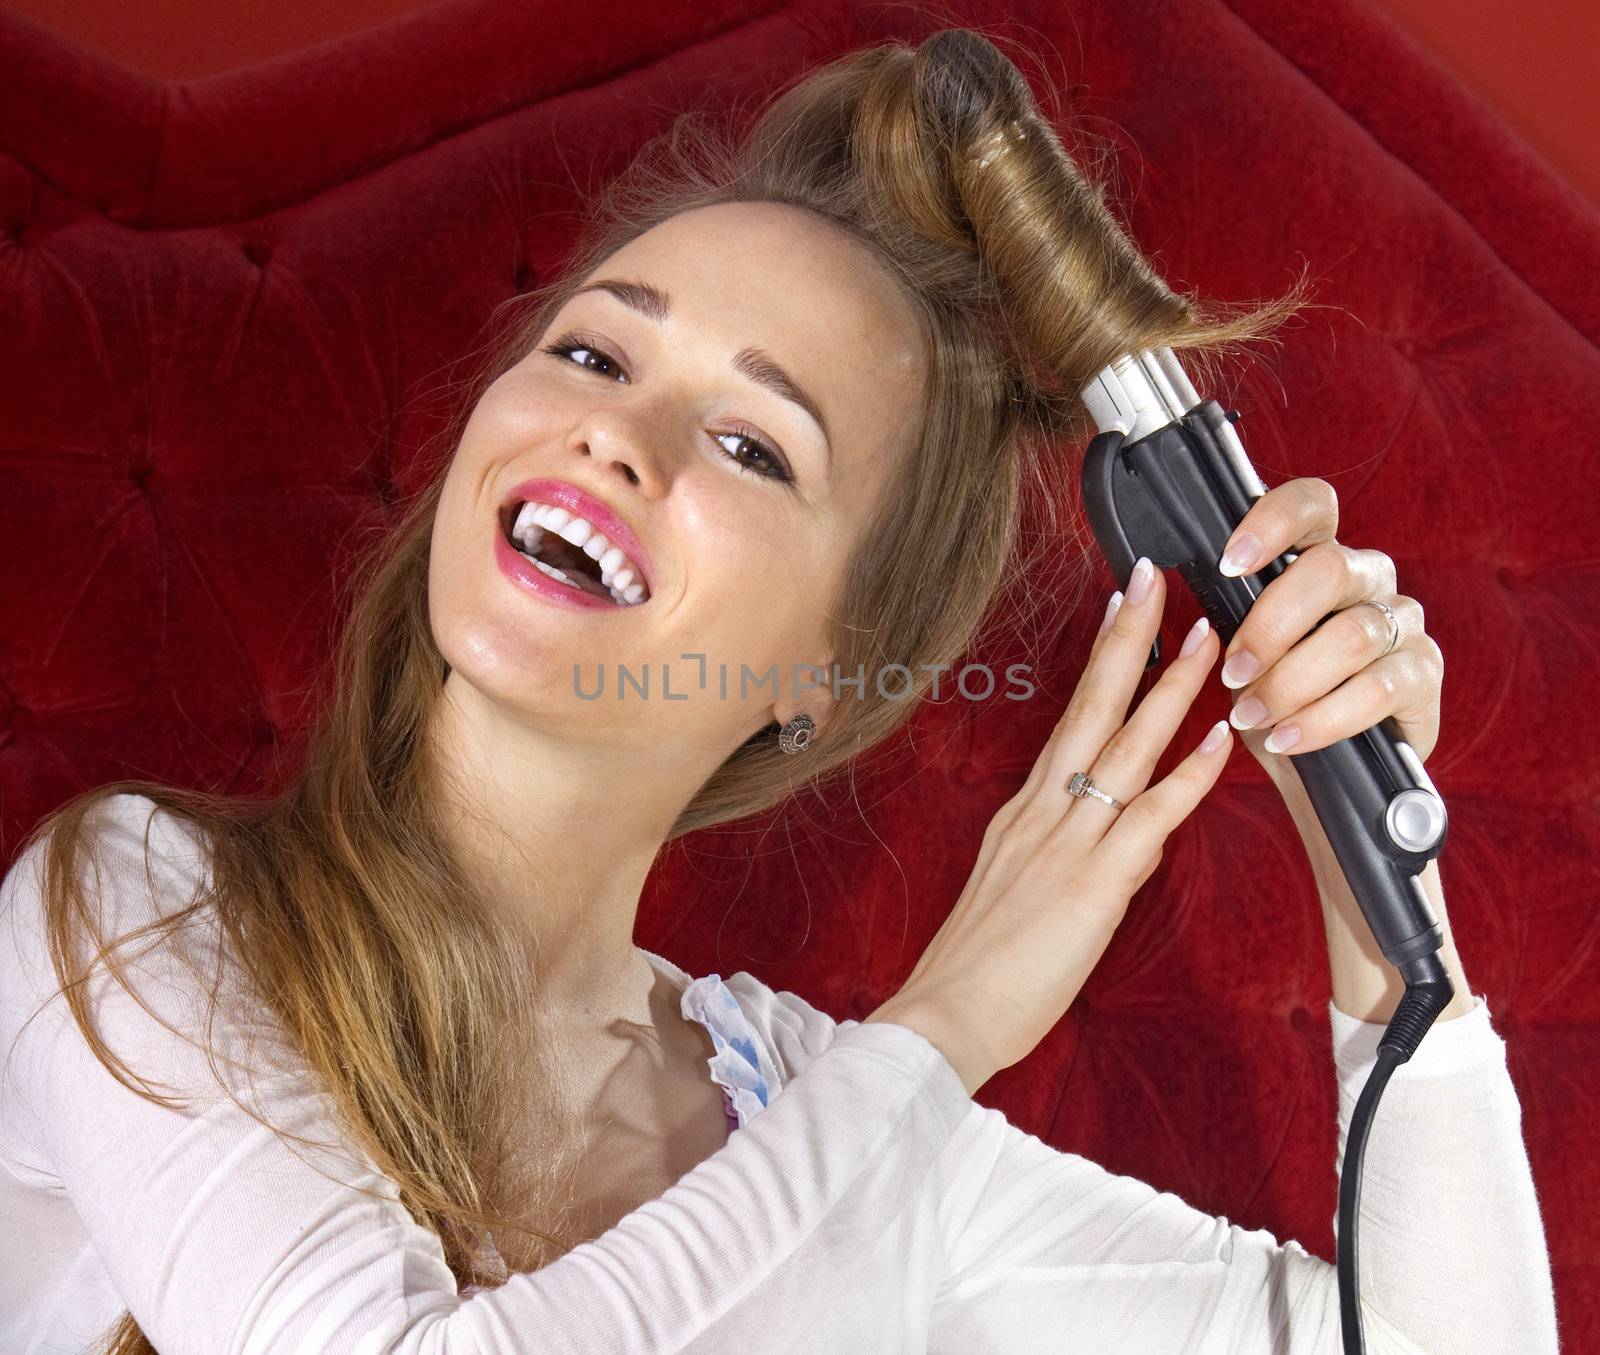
point(568, 344)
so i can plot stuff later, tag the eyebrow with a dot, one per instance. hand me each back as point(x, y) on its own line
point(756, 364)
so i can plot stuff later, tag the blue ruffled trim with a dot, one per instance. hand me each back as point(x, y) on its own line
point(740, 1065)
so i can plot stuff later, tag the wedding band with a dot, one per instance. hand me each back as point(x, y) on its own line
point(1080, 785)
point(1394, 622)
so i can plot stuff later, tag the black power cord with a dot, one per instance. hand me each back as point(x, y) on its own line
point(1428, 992)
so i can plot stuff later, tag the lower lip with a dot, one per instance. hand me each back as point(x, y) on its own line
point(515, 566)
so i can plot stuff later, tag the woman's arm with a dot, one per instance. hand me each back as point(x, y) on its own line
point(1050, 1252)
point(221, 1239)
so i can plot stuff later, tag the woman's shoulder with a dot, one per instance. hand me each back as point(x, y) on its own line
point(117, 829)
point(136, 863)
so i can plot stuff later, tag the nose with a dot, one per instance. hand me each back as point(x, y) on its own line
point(620, 445)
point(626, 470)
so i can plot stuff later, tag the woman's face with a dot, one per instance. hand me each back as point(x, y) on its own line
point(743, 504)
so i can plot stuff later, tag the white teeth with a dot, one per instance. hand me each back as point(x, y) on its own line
point(618, 573)
point(556, 574)
point(577, 531)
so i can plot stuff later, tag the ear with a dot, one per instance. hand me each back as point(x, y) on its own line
point(809, 691)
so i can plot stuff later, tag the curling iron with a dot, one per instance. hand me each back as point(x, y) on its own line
point(1167, 477)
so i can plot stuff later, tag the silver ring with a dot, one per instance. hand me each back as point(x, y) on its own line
point(1080, 785)
point(1394, 621)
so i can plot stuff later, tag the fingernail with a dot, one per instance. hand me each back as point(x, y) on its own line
point(1197, 633)
point(1144, 575)
point(1248, 713)
point(1112, 603)
point(1240, 669)
point(1241, 555)
point(1214, 737)
point(1283, 738)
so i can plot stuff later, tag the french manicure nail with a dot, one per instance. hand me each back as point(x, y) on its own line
point(1144, 576)
point(1248, 713)
point(1112, 604)
point(1283, 738)
point(1241, 555)
point(1214, 737)
point(1240, 669)
point(1197, 633)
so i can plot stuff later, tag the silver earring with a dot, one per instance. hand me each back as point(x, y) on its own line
point(795, 737)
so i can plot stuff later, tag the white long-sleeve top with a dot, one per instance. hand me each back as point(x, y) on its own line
point(872, 1206)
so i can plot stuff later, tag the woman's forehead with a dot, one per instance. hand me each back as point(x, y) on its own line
point(778, 263)
point(766, 276)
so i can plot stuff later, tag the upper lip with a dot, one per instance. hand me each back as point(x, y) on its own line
point(564, 494)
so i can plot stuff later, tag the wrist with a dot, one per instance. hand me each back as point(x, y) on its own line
point(1365, 985)
point(921, 1017)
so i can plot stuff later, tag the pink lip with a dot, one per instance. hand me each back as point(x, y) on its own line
point(560, 494)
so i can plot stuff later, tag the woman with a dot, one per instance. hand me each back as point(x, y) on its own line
point(781, 412)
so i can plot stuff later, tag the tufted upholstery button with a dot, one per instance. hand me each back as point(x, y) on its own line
point(257, 253)
point(141, 476)
point(526, 278)
point(1505, 575)
point(1300, 1018)
point(265, 732)
point(967, 773)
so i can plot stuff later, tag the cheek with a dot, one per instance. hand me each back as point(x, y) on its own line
point(447, 570)
point(772, 594)
point(511, 413)
point(462, 575)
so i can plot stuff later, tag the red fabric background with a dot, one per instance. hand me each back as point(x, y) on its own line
point(231, 304)
point(1519, 58)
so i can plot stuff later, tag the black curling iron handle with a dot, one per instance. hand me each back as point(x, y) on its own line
point(1176, 495)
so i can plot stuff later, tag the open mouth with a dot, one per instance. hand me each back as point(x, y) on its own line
point(572, 551)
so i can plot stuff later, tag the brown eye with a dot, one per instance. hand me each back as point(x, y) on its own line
point(779, 469)
point(569, 344)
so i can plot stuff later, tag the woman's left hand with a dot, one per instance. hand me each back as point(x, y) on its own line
point(1317, 681)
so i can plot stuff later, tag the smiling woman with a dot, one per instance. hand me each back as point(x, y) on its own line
point(787, 401)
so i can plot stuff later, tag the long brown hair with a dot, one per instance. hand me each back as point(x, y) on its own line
point(352, 922)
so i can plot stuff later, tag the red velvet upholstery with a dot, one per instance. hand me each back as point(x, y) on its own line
point(229, 306)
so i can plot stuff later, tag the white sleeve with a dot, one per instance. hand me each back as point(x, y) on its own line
point(221, 1239)
point(1052, 1252)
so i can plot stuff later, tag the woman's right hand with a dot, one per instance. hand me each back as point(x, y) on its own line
point(1055, 872)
